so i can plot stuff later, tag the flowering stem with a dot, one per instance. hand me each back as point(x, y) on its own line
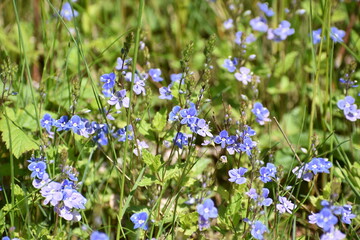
point(137, 40)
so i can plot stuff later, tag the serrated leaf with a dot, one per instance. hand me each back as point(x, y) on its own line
point(159, 121)
point(20, 141)
point(152, 161)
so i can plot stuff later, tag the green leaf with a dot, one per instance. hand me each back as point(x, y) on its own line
point(20, 141)
point(159, 121)
point(154, 162)
point(148, 180)
point(284, 65)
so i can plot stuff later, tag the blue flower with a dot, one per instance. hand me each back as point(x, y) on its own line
point(316, 34)
point(264, 7)
point(140, 220)
point(281, 33)
point(203, 223)
point(222, 138)
point(98, 236)
point(155, 74)
point(47, 122)
point(207, 209)
point(267, 173)
point(247, 145)
point(121, 133)
point(61, 123)
point(121, 64)
point(324, 219)
point(319, 165)
point(259, 24)
point(236, 175)
point(52, 193)
point(109, 80)
point(39, 183)
point(73, 199)
point(38, 169)
point(68, 12)
point(348, 83)
point(139, 86)
point(258, 229)
point(230, 65)
point(165, 93)
point(303, 172)
point(244, 76)
point(174, 115)
point(119, 99)
point(67, 213)
point(203, 128)
point(261, 113)
point(285, 205)
point(180, 140)
point(264, 200)
point(346, 214)
point(333, 234)
point(337, 35)
point(349, 107)
point(228, 23)
point(176, 78)
point(75, 124)
point(188, 114)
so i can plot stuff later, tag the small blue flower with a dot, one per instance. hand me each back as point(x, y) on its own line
point(47, 122)
point(73, 199)
point(139, 86)
point(267, 173)
point(52, 193)
point(68, 12)
point(188, 114)
point(203, 128)
point(259, 24)
point(247, 145)
point(316, 34)
point(337, 35)
point(75, 124)
point(230, 64)
point(98, 236)
point(346, 214)
point(121, 64)
point(38, 169)
point(228, 23)
point(207, 209)
point(236, 175)
point(285, 205)
point(181, 139)
point(319, 165)
point(333, 234)
point(203, 223)
point(324, 219)
point(61, 124)
point(176, 78)
point(303, 172)
point(155, 74)
point(119, 99)
point(258, 229)
point(261, 113)
point(140, 220)
point(165, 93)
point(222, 138)
point(109, 80)
point(264, 7)
point(280, 33)
point(244, 76)
point(174, 115)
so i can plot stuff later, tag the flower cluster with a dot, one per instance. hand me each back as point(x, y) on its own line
point(315, 166)
point(280, 33)
point(260, 199)
point(336, 35)
point(206, 211)
point(327, 218)
point(62, 195)
point(351, 112)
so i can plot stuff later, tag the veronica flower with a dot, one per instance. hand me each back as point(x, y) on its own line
point(140, 146)
point(303, 172)
point(228, 23)
point(264, 7)
point(203, 128)
point(52, 193)
point(247, 145)
point(61, 123)
point(203, 223)
point(285, 205)
point(337, 35)
point(324, 219)
point(109, 80)
point(68, 12)
point(258, 229)
point(319, 165)
point(207, 209)
point(174, 115)
point(165, 93)
point(316, 34)
point(281, 33)
point(261, 113)
point(236, 175)
point(73, 199)
point(181, 139)
point(333, 234)
point(259, 24)
point(119, 99)
point(139, 86)
point(222, 138)
point(176, 78)
point(267, 173)
point(98, 236)
point(140, 220)
point(155, 74)
point(121, 64)
point(39, 183)
point(75, 124)
point(244, 76)
point(47, 122)
point(188, 114)
point(230, 64)
point(38, 169)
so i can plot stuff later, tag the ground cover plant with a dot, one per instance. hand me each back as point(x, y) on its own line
point(201, 119)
